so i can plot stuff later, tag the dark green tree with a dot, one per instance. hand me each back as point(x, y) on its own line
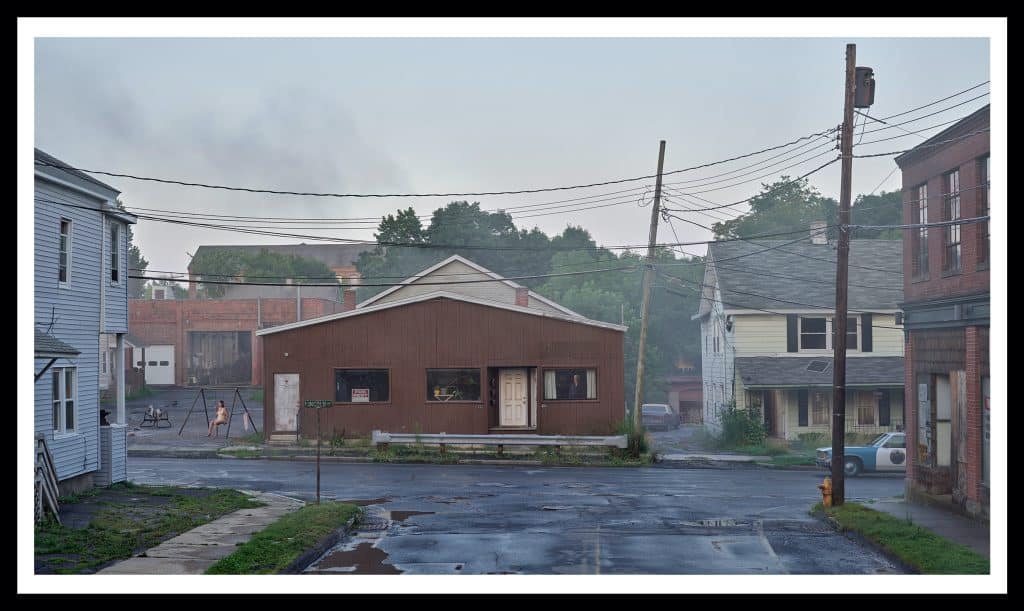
point(785, 205)
point(226, 264)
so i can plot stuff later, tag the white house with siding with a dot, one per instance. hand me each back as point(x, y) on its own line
point(81, 307)
point(766, 315)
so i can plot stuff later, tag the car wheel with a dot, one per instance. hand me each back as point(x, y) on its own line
point(852, 467)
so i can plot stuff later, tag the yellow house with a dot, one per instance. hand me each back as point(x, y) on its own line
point(766, 317)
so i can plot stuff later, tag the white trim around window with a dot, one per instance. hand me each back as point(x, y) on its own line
point(64, 400)
point(116, 265)
point(814, 334)
point(64, 236)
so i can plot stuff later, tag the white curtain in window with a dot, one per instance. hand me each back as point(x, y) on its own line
point(591, 383)
point(549, 384)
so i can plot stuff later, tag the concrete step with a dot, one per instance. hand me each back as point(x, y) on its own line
point(279, 439)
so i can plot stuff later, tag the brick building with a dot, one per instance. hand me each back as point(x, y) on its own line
point(946, 306)
point(212, 341)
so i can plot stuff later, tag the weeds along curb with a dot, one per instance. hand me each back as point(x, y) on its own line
point(327, 542)
point(863, 541)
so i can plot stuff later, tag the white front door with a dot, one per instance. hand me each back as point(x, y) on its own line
point(159, 364)
point(286, 401)
point(513, 399)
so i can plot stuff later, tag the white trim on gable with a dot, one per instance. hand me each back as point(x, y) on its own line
point(483, 270)
point(435, 295)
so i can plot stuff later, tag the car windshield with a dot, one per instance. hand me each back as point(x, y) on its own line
point(654, 409)
point(878, 441)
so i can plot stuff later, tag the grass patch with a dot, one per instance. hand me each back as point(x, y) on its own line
point(120, 529)
point(790, 460)
point(918, 547)
point(241, 453)
point(278, 545)
point(252, 439)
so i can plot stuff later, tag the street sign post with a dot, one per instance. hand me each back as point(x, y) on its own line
point(317, 404)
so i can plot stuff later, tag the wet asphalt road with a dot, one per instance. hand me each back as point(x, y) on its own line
point(467, 519)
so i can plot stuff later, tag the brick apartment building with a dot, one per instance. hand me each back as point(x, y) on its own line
point(946, 306)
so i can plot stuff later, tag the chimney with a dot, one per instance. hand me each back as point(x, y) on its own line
point(348, 300)
point(819, 235)
point(523, 296)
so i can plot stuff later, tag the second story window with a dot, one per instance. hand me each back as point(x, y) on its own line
point(115, 259)
point(983, 209)
point(64, 259)
point(813, 333)
point(920, 253)
point(951, 252)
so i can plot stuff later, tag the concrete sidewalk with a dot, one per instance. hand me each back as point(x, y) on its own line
point(192, 552)
point(940, 521)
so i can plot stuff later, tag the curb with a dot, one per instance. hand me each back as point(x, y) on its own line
point(330, 540)
point(863, 541)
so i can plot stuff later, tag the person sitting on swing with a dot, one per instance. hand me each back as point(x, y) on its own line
point(222, 418)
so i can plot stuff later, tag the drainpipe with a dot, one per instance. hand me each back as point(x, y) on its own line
point(119, 367)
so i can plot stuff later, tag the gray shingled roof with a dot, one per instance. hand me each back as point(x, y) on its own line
point(48, 345)
point(46, 157)
point(332, 255)
point(770, 274)
point(792, 371)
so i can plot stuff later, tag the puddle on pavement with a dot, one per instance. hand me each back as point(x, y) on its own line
point(365, 559)
point(400, 516)
point(365, 502)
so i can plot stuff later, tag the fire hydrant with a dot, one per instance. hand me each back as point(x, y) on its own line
point(826, 492)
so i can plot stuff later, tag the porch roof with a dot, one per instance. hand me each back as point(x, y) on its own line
point(48, 346)
point(773, 372)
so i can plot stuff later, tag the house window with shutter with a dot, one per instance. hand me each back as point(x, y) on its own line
point(64, 257)
point(819, 408)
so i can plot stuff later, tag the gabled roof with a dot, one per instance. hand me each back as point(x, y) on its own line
point(778, 275)
point(49, 346)
point(439, 295)
point(49, 161)
point(477, 267)
point(770, 371)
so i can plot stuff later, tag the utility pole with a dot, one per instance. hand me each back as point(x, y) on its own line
point(645, 308)
point(842, 263)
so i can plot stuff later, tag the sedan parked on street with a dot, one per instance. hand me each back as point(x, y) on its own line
point(887, 452)
point(659, 415)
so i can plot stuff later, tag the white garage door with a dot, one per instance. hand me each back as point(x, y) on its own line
point(159, 364)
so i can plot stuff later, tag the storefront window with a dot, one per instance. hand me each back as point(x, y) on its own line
point(570, 384)
point(453, 385)
point(361, 385)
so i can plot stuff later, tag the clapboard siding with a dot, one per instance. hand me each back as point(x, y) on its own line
point(76, 319)
point(491, 291)
point(116, 297)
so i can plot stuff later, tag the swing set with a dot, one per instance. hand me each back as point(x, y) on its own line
point(236, 399)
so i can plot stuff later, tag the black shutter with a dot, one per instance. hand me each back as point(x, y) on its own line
point(791, 335)
point(883, 409)
point(802, 407)
point(865, 333)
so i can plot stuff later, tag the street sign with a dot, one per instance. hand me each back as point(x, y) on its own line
point(317, 404)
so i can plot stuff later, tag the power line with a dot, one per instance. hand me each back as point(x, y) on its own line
point(923, 146)
point(800, 303)
point(907, 112)
point(457, 282)
point(67, 167)
point(931, 114)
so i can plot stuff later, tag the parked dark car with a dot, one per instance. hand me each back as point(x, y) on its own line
point(659, 415)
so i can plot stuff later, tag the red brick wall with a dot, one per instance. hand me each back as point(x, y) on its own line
point(170, 321)
point(962, 154)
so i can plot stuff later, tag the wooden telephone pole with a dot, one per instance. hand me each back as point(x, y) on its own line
point(645, 308)
point(842, 268)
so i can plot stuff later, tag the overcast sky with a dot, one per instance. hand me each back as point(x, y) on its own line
point(452, 115)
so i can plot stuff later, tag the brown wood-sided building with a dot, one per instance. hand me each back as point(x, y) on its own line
point(477, 356)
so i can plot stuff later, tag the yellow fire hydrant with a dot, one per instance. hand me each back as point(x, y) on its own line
point(826, 492)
